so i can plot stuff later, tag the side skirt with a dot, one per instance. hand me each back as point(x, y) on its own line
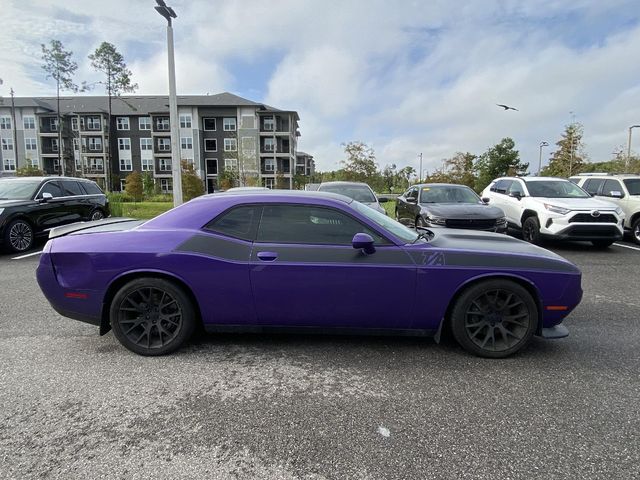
point(281, 329)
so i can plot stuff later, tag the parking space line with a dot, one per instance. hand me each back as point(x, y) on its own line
point(27, 255)
point(627, 246)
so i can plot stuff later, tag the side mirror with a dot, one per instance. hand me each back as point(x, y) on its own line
point(410, 200)
point(46, 196)
point(515, 195)
point(486, 199)
point(383, 199)
point(616, 194)
point(363, 241)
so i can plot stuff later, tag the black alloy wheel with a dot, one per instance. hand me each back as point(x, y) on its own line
point(531, 230)
point(152, 316)
point(635, 231)
point(97, 214)
point(19, 236)
point(494, 319)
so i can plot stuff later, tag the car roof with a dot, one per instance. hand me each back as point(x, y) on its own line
point(533, 179)
point(270, 194)
point(42, 179)
point(439, 185)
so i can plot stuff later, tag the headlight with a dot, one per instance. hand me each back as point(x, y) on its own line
point(555, 209)
point(433, 220)
point(501, 220)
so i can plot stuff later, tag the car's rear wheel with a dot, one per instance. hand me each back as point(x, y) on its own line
point(531, 230)
point(635, 231)
point(97, 214)
point(602, 243)
point(494, 318)
point(152, 316)
point(19, 236)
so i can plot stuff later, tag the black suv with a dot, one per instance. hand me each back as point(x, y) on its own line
point(31, 206)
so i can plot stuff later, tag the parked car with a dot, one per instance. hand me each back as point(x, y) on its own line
point(360, 192)
point(246, 189)
point(555, 208)
point(278, 260)
point(31, 206)
point(446, 205)
point(623, 190)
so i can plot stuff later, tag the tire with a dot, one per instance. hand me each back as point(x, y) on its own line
point(152, 316)
point(97, 214)
point(19, 236)
point(602, 243)
point(420, 222)
point(494, 318)
point(635, 231)
point(531, 230)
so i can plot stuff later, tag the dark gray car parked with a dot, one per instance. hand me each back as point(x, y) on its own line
point(31, 206)
point(447, 205)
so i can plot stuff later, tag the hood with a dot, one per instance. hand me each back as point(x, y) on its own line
point(464, 211)
point(14, 203)
point(578, 203)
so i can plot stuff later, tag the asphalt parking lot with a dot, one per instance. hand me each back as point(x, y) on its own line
point(76, 405)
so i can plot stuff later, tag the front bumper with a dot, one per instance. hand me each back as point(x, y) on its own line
point(566, 227)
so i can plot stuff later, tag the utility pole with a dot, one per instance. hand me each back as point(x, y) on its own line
point(542, 144)
point(628, 160)
point(15, 127)
point(420, 179)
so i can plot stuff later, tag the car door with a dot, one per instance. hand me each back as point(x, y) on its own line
point(52, 212)
point(76, 201)
point(513, 201)
point(499, 198)
point(304, 271)
point(612, 191)
point(409, 199)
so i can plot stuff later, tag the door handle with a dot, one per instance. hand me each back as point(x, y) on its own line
point(267, 256)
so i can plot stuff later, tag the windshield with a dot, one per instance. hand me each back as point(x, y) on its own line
point(448, 194)
point(387, 223)
point(556, 189)
point(633, 185)
point(360, 193)
point(18, 189)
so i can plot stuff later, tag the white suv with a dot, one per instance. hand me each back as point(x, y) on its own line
point(545, 207)
point(623, 190)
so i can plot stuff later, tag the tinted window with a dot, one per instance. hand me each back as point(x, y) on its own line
point(306, 224)
point(611, 186)
point(633, 185)
point(502, 186)
point(52, 188)
point(360, 193)
point(92, 188)
point(70, 188)
point(238, 222)
point(593, 184)
point(447, 194)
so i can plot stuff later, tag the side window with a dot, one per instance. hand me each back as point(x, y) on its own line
point(592, 185)
point(412, 193)
point(239, 222)
point(53, 188)
point(611, 185)
point(71, 188)
point(307, 224)
point(91, 188)
point(516, 187)
point(502, 186)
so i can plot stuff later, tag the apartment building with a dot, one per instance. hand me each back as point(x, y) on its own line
point(248, 143)
point(305, 165)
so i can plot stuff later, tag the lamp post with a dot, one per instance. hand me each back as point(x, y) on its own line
point(420, 175)
point(176, 169)
point(542, 144)
point(626, 164)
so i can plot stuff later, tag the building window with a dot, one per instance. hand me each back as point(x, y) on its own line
point(123, 184)
point(248, 144)
point(74, 124)
point(144, 123)
point(9, 164)
point(124, 143)
point(78, 163)
point(165, 185)
point(126, 165)
point(269, 124)
point(53, 124)
point(268, 182)
point(186, 143)
point(162, 124)
point(231, 164)
point(164, 144)
point(269, 144)
point(122, 123)
point(165, 165)
point(29, 123)
point(269, 165)
point(7, 144)
point(30, 144)
point(96, 164)
point(5, 124)
point(75, 143)
point(33, 162)
point(146, 144)
point(212, 166)
point(95, 144)
point(185, 121)
point(147, 165)
point(209, 124)
point(230, 145)
point(93, 123)
point(229, 124)
point(210, 145)
point(54, 145)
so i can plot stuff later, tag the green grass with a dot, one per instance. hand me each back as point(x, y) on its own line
point(139, 210)
point(390, 208)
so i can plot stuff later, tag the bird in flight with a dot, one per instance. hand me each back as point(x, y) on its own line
point(507, 107)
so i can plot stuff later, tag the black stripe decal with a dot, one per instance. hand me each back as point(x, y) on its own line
point(217, 247)
point(489, 260)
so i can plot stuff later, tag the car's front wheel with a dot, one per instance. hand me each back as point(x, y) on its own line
point(97, 214)
point(635, 231)
point(494, 318)
point(152, 316)
point(19, 236)
point(531, 230)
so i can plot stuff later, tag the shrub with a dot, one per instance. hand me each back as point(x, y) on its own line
point(29, 171)
point(192, 185)
point(133, 186)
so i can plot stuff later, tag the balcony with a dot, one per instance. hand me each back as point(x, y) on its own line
point(161, 124)
point(282, 146)
point(48, 125)
point(278, 125)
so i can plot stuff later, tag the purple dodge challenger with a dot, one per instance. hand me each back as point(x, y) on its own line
point(310, 261)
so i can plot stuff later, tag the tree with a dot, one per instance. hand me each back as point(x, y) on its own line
point(360, 164)
point(133, 185)
point(460, 169)
point(405, 175)
point(148, 184)
point(389, 177)
point(500, 160)
point(227, 179)
point(192, 185)
point(109, 61)
point(59, 65)
point(567, 160)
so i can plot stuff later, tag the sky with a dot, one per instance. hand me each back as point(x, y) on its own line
point(406, 77)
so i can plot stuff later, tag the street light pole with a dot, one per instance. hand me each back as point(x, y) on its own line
point(420, 179)
point(542, 144)
point(626, 163)
point(176, 168)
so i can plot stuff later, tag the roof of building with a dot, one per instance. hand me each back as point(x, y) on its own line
point(303, 154)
